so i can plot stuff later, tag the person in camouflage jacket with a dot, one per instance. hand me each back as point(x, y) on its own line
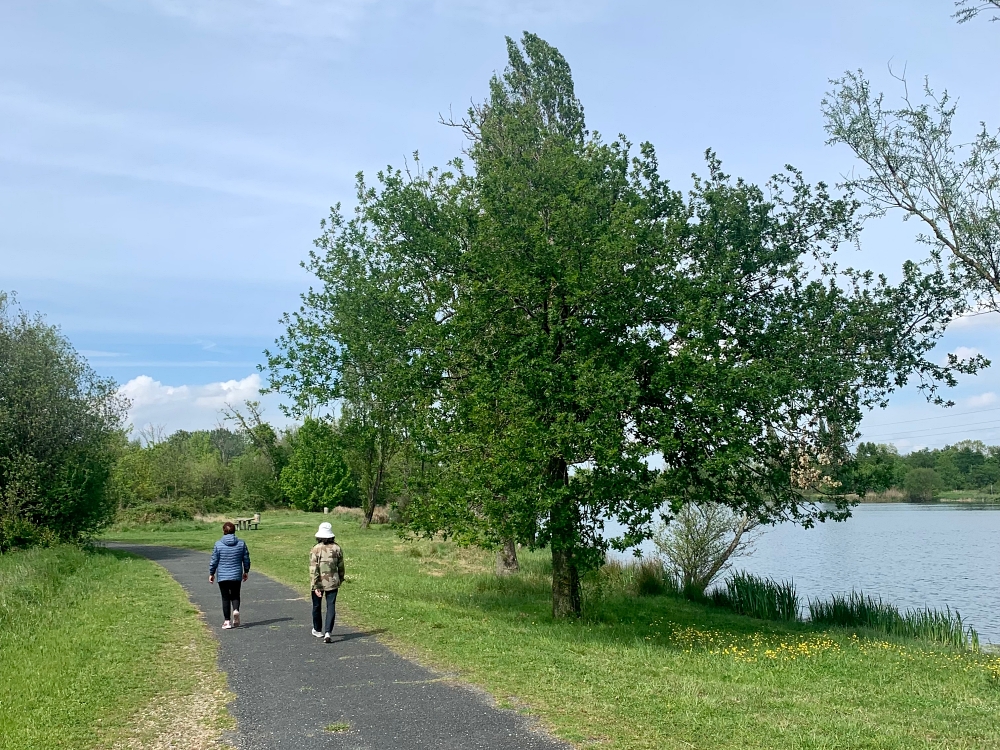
point(326, 573)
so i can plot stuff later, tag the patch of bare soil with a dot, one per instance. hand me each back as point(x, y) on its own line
point(189, 720)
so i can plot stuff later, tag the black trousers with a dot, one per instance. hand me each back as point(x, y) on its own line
point(331, 610)
point(230, 596)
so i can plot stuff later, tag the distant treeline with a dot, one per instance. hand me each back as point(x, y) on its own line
point(159, 478)
point(922, 475)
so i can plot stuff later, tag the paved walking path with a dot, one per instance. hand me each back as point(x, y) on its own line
point(290, 685)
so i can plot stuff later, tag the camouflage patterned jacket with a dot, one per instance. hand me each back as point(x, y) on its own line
point(326, 567)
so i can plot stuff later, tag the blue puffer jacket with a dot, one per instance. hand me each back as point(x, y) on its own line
point(230, 558)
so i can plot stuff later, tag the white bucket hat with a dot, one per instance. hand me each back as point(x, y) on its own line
point(325, 531)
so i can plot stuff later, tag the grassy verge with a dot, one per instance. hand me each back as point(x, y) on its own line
point(92, 644)
point(637, 672)
point(969, 496)
point(947, 496)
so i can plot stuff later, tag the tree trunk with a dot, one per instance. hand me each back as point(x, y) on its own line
point(564, 526)
point(507, 558)
point(565, 585)
point(373, 497)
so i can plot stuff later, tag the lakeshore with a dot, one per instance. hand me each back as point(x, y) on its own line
point(636, 671)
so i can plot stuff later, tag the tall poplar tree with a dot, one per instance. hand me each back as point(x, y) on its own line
point(568, 340)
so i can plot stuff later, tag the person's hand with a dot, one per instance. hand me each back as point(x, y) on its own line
point(245, 576)
point(318, 593)
point(211, 579)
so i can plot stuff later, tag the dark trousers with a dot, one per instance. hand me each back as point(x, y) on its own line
point(331, 611)
point(230, 596)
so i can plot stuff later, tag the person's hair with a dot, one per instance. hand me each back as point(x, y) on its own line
point(228, 528)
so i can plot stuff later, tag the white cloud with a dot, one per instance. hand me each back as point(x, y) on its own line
point(188, 407)
point(217, 395)
point(966, 352)
point(963, 353)
point(144, 392)
point(983, 399)
point(976, 318)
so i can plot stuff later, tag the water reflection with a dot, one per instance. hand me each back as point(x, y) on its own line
point(910, 555)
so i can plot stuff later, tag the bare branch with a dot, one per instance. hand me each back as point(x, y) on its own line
point(969, 9)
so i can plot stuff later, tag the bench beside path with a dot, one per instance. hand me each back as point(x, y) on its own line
point(290, 685)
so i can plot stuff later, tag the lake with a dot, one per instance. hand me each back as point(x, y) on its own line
point(908, 554)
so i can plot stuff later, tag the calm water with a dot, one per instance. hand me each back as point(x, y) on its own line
point(910, 555)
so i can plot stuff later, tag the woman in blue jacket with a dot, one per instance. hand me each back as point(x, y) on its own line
point(231, 560)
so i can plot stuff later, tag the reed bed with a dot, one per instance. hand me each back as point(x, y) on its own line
point(763, 598)
point(856, 610)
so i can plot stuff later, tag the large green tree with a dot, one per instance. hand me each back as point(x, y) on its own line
point(60, 430)
point(570, 340)
point(316, 475)
point(351, 342)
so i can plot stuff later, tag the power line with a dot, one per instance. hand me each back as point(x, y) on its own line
point(941, 416)
point(994, 426)
point(932, 429)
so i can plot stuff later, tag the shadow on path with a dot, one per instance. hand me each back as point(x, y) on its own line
point(350, 635)
point(290, 685)
point(257, 623)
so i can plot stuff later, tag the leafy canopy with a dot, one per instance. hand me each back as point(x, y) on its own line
point(316, 475)
point(60, 428)
point(567, 339)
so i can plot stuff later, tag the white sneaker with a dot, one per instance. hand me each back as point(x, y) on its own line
point(226, 625)
point(317, 633)
point(327, 638)
point(236, 618)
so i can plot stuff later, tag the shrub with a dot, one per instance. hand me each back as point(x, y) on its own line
point(17, 533)
point(316, 475)
point(700, 542)
point(158, 512)
point(254, 485)
point(60, 428)
point(922, 485)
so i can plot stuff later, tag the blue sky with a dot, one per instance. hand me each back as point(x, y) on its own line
point(164, 164)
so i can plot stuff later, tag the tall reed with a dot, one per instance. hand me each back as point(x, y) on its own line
point(763, 598)
point(856, 610)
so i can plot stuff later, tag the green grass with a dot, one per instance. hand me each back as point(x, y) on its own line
point(340, 726)
point(947, 496)
point(638, 671)
point(969, 496)
point(87, 640)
